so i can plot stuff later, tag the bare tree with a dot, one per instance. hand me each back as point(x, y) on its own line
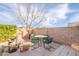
point(29, 15)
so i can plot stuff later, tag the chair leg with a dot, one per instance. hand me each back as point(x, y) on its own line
point(51, 47)
point(44, 45)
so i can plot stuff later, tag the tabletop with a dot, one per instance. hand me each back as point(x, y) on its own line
point(41, 36)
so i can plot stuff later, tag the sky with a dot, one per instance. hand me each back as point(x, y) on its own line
point(57, 14)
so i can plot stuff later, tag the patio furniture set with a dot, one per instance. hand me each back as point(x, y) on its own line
point(41, 40)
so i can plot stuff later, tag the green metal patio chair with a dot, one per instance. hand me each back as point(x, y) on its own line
point(35, 41)
point(47, 41)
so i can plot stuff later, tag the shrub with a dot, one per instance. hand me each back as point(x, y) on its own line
point(6, 32)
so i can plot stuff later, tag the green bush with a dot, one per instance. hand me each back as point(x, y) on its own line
point(6, 32)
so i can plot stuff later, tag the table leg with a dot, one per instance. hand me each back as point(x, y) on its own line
point(38, 43)
point(41, 43)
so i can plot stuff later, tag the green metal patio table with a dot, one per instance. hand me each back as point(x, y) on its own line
point(40, 38)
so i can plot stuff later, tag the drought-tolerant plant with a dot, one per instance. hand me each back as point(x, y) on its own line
point(7, 32)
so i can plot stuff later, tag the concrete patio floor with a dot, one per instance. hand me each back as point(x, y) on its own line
point(41, 51)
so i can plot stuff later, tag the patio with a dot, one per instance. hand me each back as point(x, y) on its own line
point(68, 36)
point(63, 41)
point(56, 32)
point(41, 51)
point(56, 50)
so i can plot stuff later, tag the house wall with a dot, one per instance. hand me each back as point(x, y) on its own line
point(66, 35)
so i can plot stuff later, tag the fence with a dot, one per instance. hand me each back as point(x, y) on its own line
point(66, 35)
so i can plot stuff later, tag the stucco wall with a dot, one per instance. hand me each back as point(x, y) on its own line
point(66, 35)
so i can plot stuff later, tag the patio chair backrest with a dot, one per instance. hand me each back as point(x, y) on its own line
point(47, 40)
point(33, 39)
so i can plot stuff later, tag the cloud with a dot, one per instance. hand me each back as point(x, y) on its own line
point(53, 15)
point(47, 24)
point(58, 13)
point(5, 18)
point(5, 15)
point(74, 18)
point(15, 14)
